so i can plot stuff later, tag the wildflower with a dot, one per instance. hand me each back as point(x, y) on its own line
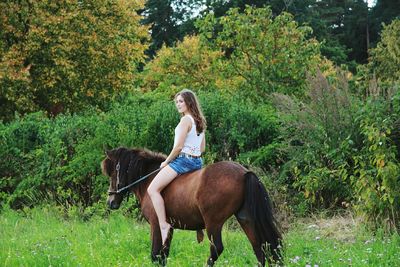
point(295, 259)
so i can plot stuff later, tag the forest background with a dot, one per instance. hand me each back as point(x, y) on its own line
point(306, 93)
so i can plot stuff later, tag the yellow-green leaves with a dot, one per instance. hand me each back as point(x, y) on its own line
point(385, 58)
point(190, 63)
point(68, 55)
point(251, 53)
point(271, 54)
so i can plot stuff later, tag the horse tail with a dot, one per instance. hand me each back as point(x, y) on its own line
point(259, 209)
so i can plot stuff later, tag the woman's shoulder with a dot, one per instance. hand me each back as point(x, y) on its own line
point(187, 118)
point(185, 121)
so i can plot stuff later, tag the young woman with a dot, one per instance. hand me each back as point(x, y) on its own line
point(185, 156)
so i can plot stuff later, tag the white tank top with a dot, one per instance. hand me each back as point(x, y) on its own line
point(192, 142)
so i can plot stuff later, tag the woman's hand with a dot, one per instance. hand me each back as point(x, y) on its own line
point(163, 164)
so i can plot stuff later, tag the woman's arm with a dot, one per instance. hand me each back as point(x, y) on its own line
point(203, 143)
point(182, 130)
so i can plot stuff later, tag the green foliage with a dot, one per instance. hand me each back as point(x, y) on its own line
point(60, 56)
point(59, 159)
point(384, 12)
point(340, 26)
point(191, 63)
point(264, 51)
point(169, 21)
point(385, 58)
point(252, 55)
point(319, 137)
point(376, 170)
point(162, 21)
point(339, 151)
point(235, 126)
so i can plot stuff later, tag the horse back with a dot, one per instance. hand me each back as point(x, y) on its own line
point(221, 191)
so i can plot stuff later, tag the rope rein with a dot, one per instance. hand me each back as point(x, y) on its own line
point(123, 189)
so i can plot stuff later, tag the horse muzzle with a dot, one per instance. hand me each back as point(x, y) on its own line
point(113, 203)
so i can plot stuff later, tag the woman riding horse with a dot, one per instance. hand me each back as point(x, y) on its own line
point(185, 156)
point(203, 199)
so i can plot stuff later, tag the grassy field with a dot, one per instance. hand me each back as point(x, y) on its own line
point(42, 237)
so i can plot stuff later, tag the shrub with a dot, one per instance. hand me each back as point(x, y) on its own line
point(59, 159)
point(319, 136)
point(376, 176)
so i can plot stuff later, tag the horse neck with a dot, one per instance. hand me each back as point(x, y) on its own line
point(141, 189)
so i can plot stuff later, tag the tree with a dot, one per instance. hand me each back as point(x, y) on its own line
point(385, 58)
point(159, 15)
point(340, 26)
point(191, 63)
point(169, 21)
point(269, 54)
point(65, 56)
point(383, 12)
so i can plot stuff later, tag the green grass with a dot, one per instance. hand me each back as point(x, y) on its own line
point(42, 237)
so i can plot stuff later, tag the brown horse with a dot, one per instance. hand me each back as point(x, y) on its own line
point(199, 200)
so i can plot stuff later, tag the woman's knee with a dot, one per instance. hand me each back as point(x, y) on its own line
point(152, 190)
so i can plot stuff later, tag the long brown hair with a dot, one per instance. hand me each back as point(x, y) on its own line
point(194, 108)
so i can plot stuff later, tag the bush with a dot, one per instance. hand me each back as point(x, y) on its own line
point(376, 176)
point(318, 137)
point(59, 159)
point(339, 151)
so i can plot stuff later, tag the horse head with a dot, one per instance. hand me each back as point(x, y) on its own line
point(124, 167)
point(116, 166)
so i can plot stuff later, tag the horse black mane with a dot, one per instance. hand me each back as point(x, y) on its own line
point(133, 162)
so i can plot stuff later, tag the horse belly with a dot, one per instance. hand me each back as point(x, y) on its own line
point(191, 219)
point(181, 208)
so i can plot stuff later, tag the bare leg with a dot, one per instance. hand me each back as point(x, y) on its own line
point(162, 179)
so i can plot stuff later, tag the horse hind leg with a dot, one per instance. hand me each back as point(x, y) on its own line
point(248, 228)
point(216, 245)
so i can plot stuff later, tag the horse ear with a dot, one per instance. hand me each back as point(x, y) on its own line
point(106, 148)
point(110, 154)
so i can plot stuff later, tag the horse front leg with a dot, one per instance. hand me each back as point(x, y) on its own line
point(156, 255)
point(159, 253)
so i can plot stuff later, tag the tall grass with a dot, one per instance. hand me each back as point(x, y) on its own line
point(43, 237)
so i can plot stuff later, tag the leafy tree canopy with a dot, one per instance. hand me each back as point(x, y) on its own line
point(385, 58)
point(58, 56)
point(269, 54)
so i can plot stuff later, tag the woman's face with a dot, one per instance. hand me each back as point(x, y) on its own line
point(180, 104)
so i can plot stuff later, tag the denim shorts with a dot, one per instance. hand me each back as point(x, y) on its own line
point(183, 164)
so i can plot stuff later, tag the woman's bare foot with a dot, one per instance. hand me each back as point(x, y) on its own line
point(164, 232)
